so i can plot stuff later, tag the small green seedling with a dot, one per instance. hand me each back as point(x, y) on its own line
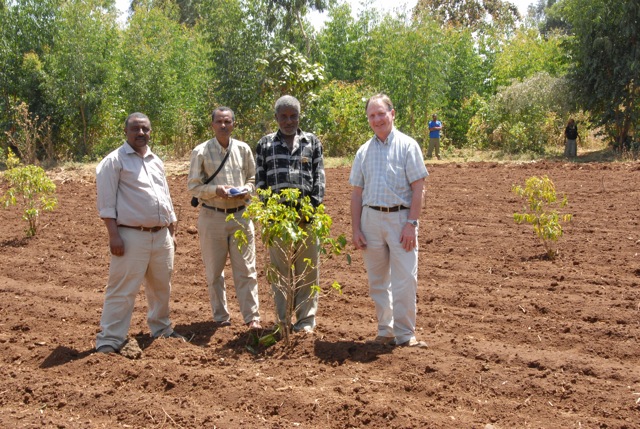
point(540, 193)
point(30, 189)
point(285, 221)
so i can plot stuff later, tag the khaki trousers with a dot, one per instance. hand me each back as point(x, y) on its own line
point(216, 242)
point(148, 258)
point(392, 273)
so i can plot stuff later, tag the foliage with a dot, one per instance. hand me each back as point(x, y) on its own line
point(30, 189)
point(285, 220)
point(469, 13)
point(464, 73)
point(78, 69)
point(397, 51)
point(337, 116)
point(524, 117)
point(343, 41)
point(164, 74)
point(605, 48)
point(528, 53)
point(30, 134)
point(175, 60)
point(540, 212)
point(287, 71)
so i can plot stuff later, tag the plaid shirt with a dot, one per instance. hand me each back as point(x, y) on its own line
point(278, 168)
point(386, 170)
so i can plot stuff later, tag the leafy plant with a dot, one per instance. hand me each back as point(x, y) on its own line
point(540, 193)
point(285, 222)
point(30, 189)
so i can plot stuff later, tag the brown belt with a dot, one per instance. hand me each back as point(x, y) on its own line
point(144, 228)
point(389, 209)
point(232, 210)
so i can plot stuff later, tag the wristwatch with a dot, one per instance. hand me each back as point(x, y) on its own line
point(413, 222)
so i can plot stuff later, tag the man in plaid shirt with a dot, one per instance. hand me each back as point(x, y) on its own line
point(292, 158)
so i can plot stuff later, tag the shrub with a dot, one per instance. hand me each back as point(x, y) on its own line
point(285, 221)
point(540, 194)
point(30, 189)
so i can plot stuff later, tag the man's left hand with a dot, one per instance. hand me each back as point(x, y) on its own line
point(408, 237)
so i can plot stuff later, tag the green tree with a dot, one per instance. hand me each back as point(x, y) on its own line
point(405, 61)
point(338, 117)
point(464, 69)
point(78, 69)
point(164, 73)
point(469, 13)
point(27, 31)
point(528, 53)
point(343, 42)
point(605, 48)
point(288, 16)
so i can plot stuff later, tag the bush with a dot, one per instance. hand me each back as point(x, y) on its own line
point(338, 117)
point(524, 117)
point(280, 218)
point(30, 189)
point(540, 193)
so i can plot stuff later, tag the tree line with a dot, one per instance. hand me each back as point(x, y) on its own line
point(70, 72)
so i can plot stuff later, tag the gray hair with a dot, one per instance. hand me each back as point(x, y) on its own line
point(384, 98)
point(287, 101)
point(136, 115)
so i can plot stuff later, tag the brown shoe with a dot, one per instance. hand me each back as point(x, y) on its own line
point(254, 325)
point(385, 341)
point(414, 343)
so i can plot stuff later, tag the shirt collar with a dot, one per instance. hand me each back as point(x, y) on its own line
point(389, 137)
point(130, 150)
point(301, 135)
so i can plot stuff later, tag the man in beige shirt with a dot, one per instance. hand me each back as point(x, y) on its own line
point(135, 205)
point(227, 193)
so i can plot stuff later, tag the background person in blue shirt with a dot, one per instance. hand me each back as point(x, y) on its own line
point(434, 136)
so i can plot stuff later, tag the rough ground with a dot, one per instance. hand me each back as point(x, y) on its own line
point(516, 341)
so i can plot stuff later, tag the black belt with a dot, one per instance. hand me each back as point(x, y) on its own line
point(233, 210)
point(389, 209)
point(144, 228)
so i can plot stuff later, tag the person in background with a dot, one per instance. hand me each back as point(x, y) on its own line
point(435, 126)
point(570, 139)
point(226, 194)
point(388, 176)
point(135, 205)
point(292, 158)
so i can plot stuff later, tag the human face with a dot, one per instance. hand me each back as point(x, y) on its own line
point(380, 118)
point(138, 132)
point(288, 119)
point(222, 126)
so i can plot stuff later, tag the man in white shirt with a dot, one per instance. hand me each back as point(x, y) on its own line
point(135, 205)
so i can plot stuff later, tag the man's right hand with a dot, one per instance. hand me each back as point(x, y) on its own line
point(358, 240)
point(116, 244)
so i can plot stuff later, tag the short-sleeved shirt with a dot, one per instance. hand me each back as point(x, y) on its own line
point(239, 170)
point(303, 168)
point(133, 189)
point(386, 170)
point(434, 134)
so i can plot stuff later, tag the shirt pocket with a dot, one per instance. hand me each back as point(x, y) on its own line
point(396, 177)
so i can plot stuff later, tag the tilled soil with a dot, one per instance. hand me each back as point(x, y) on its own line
point(515, 340)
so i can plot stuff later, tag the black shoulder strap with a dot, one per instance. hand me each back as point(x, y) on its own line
point(221, 164)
